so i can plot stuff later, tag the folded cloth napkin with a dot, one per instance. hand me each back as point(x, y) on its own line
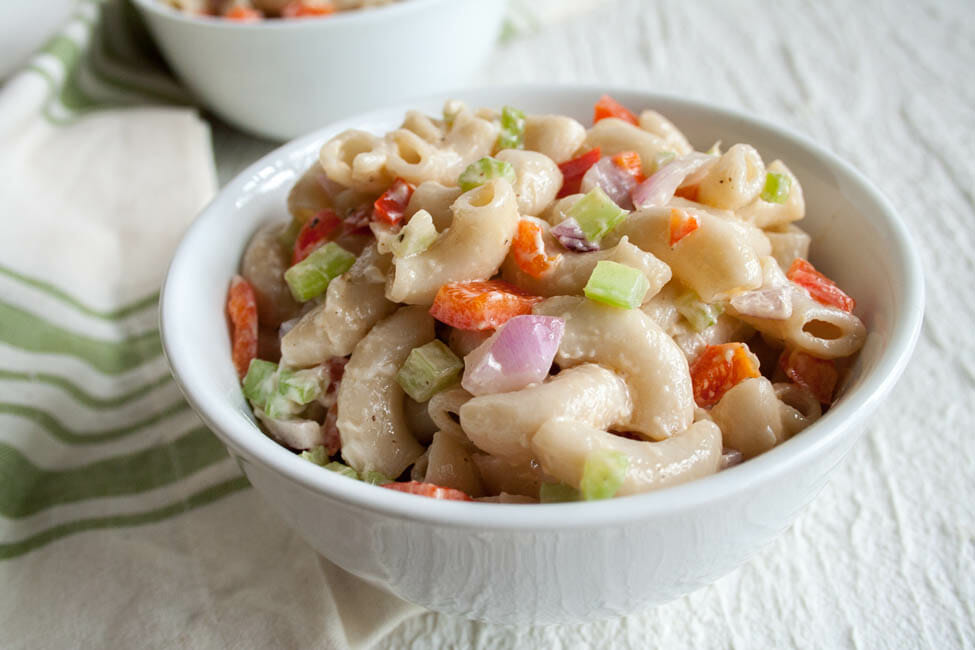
point(123, 522)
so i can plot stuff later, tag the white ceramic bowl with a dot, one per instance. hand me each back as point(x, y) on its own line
point(558, 562)
point(283, 78)
point(24, 26)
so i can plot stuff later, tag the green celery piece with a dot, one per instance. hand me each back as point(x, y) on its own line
point(416, 236)
point(699, 314)
point(557, 493)
point(596, 214)
point(777, 188)
point(373, 477)
point(617, 285)
point(603, 474)
point(260, 382)
point(311, 276)
point(512, 134)
point(662, 158)
point(428, 370)
point(484, 170)
point(279, 407)
point(342, 468)
point(300, 386)
point(316, 455)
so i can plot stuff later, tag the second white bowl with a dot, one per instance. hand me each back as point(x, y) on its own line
point(281, 78)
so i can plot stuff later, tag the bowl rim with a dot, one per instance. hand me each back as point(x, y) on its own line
point(342, 18)
point(842, 420)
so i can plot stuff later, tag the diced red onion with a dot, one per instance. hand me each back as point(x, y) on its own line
point(569, 233)
point(615, 181)
point(660, 188)
point(731, 457)
point(518, 354)
point(774, 303)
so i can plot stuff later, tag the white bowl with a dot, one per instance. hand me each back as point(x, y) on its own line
point(558, 562)
point(25, 26)
point(283, 78)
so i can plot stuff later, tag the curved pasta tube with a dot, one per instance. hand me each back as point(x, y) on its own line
point(415, 160)
point(449, 464)
point(263, 266)
point(472, 248)
point(444, 410)
point(788, 243)
point(820, 330)
point(715, 260)
point(435, 199)
point(612, 135)
point(354, 302)
point(769, 215)
point(753, 419)
point(755, 237)
point(310, 194)
point(628, 341)
point(663, 128)
point(557, 211)
point(555, 136)
point(356, 159)
point(662, 309)
point(370, 402)
point(471, 137)
point(799, 408)
point(537, 179)
point(503, 424)
point(294, 434)
point(735, 180)
point(562, 446)
point(421, 124)
point(725, 330)
point(501, 477)
point(570, 272)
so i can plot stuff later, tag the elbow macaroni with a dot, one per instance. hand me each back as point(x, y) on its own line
point(650, 377)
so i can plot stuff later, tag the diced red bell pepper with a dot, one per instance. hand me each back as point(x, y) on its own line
point(528, 249)
point(718, 368)
point(573, 171)
point(821, 288)
point(242, 310)
point(316, 231)
point(682, 223)
point(428, 490)
point(818, 376)
point(299, 9)
point(609, 107)
point(689, 192)
point(390, 208)
point(629, 161)
point(480, 305)
point(243, 14)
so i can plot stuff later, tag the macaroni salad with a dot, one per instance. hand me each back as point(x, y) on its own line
point(516, 308)
point(257, 10)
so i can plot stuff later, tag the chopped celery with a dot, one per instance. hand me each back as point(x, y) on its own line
point(596, 214)
point(557, 493)
point(484, 170)
point(342, 468)
point(512, 134)
point(699, 314)
point(603, 474)
point(316, 455)
point(777, 187)
point(428, 370)
point(279, 407)
point(617, 285)
point(300, 386)
point(373, 477)
point(310, 277)
point(662, 158)
point(260, 382)
point(415, 237)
